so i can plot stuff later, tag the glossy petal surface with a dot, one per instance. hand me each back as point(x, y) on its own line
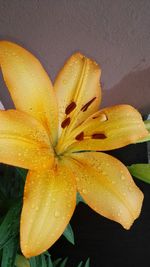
point(24, 141)
point(110, 128)
point(76, 84)
point(29, 85)
point(49, 201)
point(107, 186)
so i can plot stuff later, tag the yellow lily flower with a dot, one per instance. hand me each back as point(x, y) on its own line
point(48, 133)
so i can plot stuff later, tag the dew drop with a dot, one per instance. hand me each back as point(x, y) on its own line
point(84, 191)
point(122, 177)
point(64, 81)
point(57, 214)
point(130, 188)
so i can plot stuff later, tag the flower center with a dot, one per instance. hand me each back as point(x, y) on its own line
point(71, 134)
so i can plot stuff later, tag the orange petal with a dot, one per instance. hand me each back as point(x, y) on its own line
point(78, 90)
point(107, 186)
point(110, 128)
point(29, 84)
point(49, 202)
point(24, 141)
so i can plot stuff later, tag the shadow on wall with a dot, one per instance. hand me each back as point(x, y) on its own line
point(133, 89)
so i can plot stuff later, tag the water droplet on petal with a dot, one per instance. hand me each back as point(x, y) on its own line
point(57, 214)
point(130, 188)
point(122, 177)
point(84, 191)
point(64, 81)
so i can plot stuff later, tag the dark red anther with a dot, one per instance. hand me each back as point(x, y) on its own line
point(95, 117)
point(85, 107)
point(80, 136)
point(65, 123)
point(99, 136)
point(70, 108)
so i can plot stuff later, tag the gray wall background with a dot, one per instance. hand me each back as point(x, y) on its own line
point(115, 33)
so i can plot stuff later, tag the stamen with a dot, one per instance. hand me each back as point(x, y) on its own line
point(80, 136)
point(70, 108)
point(65, 123)
point(99, 136)
point(85, 107)
point(95, 117)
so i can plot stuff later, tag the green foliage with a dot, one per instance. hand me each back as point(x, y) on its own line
point(140, 171)
point(87, 264)
point(43, 260)
point(9, 253)
point(80, 264)
point(147, 138)
point(21, 261)
point(147, 124)
point(9, 228)
point(57, 262)
point(63, 263)
point(69, 235)
point(79, 198)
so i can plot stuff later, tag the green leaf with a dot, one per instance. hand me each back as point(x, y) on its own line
point(49, 261)
point(22, 172)
point(80, 264)
point(9, 254)
point(56, 262)
point(63, 263)
point(79, 198)
point(147, 124)
point(87, 264)
point(11, 185)
point(21, 261)
point(33, 262)
point(43, 260)
point(9, 227)
point(69, 235)
point(140, 171)
point(147, 138)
